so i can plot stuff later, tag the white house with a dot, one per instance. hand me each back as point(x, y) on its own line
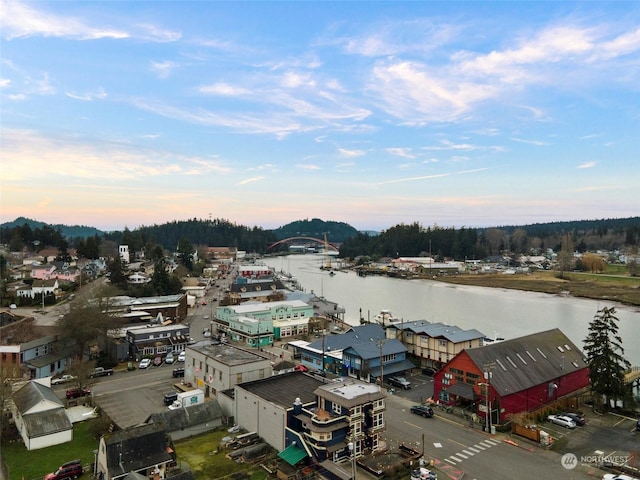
point(40, 417)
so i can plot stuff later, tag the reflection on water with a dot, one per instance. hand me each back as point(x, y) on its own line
point(495, 312)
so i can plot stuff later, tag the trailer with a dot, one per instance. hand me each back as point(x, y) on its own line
point(188, 398)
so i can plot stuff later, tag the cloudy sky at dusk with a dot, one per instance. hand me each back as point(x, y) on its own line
point(119, 114)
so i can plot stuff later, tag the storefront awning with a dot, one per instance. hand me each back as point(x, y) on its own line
point(393, 368)
point(463, 390)
point(292, 454)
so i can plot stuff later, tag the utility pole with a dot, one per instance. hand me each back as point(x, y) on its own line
point(487, 376)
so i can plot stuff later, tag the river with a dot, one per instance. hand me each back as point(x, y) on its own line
point(493, 311)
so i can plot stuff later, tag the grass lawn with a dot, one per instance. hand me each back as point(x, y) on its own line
point(37, 463)
point(204, 457)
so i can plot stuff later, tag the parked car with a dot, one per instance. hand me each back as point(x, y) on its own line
point(423, 410)
point(206, 333)
point(181, 356)
point(78, 392)
point(169, 358)
point(63, 379)
point(561, 420)
point(169, 398)
point(157, 360)
point(144, 363)
point(399, 382)
point(578, 419)
point(429, 371)
point(614, 476)
point(68, 470)
point(301, 368)
point(178, 372)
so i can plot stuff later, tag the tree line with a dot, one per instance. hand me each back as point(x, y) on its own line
point(399, 240)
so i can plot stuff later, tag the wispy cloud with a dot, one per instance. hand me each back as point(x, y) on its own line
point(307, 166)
point(163, 69)
point(29, 154)
point(429, 177)
point(88, 97)
point(351, 153)
point(250, 180)
point(538, 143)
point(22, 19)
point(401, 152)
point(587, 165)
point(223, 89)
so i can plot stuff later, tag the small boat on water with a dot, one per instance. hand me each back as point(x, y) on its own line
point(385, 318)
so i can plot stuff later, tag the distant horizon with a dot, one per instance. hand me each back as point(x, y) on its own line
point(303, 219)
point(475, 114)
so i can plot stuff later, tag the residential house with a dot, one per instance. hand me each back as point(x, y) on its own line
point(144, 449)
point(49, 287)
point(434, 344)
point(213, 368)
point(513, 376)
point(42, 272)
point(40, 417)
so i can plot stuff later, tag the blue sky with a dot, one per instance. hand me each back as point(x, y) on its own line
point(473, 114)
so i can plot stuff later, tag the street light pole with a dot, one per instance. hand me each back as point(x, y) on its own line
point(352, 453)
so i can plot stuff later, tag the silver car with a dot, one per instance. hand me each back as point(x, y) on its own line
point(561, 420)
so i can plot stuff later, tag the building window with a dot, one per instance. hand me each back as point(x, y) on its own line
point(337, 409)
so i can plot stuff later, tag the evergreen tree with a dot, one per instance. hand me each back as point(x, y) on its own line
point(607, 365)
point(117, 275)
point(185, 252)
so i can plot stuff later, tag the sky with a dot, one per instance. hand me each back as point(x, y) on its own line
point(120, 114)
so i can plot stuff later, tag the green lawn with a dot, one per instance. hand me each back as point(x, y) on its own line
point(36, 464)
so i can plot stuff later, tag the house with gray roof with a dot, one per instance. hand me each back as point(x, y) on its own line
point(434, 344)
point(514, 376)
point(188, 421)
point(40, 417)
point(144, 449)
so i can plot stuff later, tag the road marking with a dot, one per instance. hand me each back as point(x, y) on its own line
point(413, 425)
point(481, 447)
point(459, 454)
point(437, 445)
point(471, 454)
point(447, 460)
point(461, 444)
point(474, 449)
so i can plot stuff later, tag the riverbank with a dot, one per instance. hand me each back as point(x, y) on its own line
point(621, 289)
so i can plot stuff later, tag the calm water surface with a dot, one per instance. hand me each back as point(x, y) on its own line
point(494, 312)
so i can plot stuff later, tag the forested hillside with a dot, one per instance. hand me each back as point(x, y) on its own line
point(337, 232)
point(404, 240)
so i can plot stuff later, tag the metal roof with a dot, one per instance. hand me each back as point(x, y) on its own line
point(33, 393)
point(283, 389)
point(524, 362)
point(46, 423)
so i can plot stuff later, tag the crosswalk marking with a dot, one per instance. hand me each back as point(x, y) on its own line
point(471, 451)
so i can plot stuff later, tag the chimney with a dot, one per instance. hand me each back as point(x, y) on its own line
point(297, 406)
